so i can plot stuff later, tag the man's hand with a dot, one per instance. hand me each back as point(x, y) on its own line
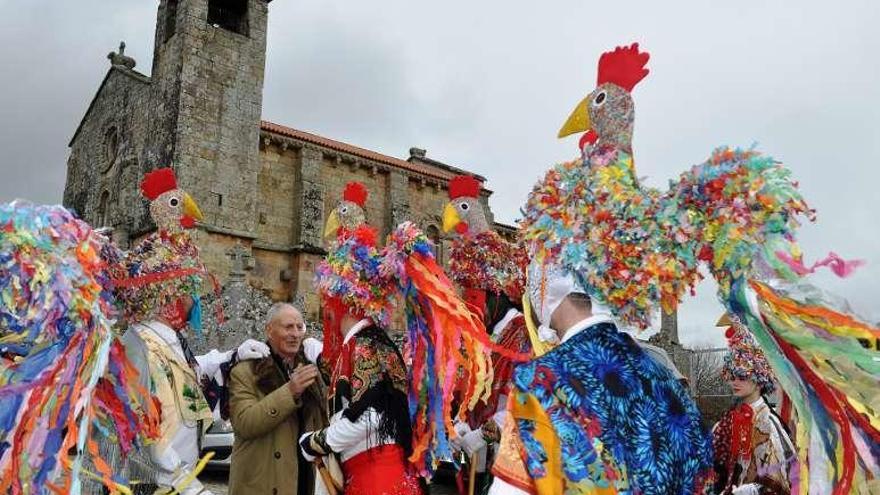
point(252, 349)
point(301, 378)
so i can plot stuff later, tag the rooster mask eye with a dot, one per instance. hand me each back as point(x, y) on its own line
point(464, 206)
point(599, 100)
point(174, 202)
point(343, 210)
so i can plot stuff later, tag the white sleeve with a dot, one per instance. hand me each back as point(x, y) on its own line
point(308, 457)
point(209, 364)
point(312, 348)
point(501, 487)
point(344, 435)
point(167, 462)
point(747, 489)
point(499, 327)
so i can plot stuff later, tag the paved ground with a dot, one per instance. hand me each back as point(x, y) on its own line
point(216, 481)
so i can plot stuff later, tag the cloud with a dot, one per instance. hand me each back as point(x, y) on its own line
point(485, 85)
point(53, 59)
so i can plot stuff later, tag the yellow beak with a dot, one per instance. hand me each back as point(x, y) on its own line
point(332, 224)
point(578, 121)
point(450, 218)
point(724, 321)
point(191, 209)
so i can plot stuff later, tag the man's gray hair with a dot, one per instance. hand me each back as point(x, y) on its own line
point(276, 308)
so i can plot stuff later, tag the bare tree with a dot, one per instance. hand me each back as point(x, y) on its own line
point(705, 371)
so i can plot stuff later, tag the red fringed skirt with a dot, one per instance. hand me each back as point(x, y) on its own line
point(380, 471)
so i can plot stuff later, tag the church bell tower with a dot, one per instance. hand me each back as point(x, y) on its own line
point(208, 65)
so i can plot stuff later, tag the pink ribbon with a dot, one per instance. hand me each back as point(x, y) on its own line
point(841, 267)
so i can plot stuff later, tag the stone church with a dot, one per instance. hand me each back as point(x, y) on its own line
point(264, 188)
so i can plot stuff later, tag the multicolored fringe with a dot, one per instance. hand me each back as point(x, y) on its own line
point(62, 372)
point(489, 262)
point(351, 272)
point(448, 365)
point(830, 377)
point(742, 212)
point(735, 212)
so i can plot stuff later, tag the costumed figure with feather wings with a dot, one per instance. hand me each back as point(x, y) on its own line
point(391, 405)
point(490, 272)
point(753, 449)
point(592, 228)
point(66, 290)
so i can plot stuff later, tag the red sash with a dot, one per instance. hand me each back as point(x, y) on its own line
point(380, 471)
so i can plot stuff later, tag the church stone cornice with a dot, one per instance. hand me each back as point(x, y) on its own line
point(341, 157)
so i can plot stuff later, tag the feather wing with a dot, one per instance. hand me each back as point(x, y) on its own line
point(739, 212)
point(448, 363)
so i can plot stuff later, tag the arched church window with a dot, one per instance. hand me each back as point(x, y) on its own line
point(111, 147)
point(231, 15)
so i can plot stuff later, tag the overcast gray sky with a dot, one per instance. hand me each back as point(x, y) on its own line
point(486, 85)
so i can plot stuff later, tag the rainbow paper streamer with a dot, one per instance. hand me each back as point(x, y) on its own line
point(62, 371)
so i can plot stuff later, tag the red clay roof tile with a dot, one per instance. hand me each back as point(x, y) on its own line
point(419, 168)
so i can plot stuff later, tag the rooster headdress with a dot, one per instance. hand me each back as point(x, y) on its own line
point(171, 208)
point(480, 259)
point(634, 249)
point(350, 213)
point(608, 112)
point(166, 264)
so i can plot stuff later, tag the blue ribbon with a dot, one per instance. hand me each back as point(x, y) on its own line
point(195, 315)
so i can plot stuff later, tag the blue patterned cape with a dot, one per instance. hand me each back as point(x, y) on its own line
point(622, 419)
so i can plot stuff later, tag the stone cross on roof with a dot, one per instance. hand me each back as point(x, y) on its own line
point(120, 58)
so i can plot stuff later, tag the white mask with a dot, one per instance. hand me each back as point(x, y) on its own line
point(548, 286)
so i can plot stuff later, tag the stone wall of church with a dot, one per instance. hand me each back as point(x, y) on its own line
point(304, 266)
point(221, 88)
point(108, 153)
point(276, 202)
point(214, 249)
point(272, 272)
point(426, 210)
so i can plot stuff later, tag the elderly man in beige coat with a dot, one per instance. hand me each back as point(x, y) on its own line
point(272, 401)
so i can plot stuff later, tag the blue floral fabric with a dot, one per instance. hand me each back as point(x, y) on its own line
point(622, 419)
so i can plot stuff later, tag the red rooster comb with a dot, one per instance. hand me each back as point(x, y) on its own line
point(356, 193)
point(157, 182)
point(464, 186)
point(624, 67)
